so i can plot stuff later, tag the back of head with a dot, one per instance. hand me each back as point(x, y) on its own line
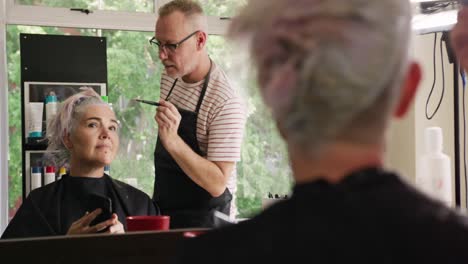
point(64, 123)
point(191, 10)
point(329, 69)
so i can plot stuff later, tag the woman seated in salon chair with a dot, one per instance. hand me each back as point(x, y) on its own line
point(83, 136)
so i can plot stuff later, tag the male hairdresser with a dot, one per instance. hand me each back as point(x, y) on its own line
point(201, 122)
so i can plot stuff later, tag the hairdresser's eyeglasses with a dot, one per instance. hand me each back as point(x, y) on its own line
point(171, 47)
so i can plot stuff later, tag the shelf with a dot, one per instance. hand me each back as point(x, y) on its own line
point(36, 144)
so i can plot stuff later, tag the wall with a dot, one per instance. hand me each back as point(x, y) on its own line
point(406, 136)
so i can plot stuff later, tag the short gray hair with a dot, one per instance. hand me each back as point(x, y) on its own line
point(328, 69)
point(64, 123)
point(192, 10)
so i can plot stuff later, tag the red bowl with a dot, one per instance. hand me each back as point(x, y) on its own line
point(148, 223)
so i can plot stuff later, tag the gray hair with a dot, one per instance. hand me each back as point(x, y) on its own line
point(328, 69)
point(65, 122)
point(192, 10)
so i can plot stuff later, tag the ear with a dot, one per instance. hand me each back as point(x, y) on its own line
point(67, 141)
point(201, 40)
point(408, 89)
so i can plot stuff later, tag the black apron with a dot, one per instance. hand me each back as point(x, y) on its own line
point(188, 204)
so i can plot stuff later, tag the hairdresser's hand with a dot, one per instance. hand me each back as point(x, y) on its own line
point(81, 226)
point(168, 119)
point(459, 37)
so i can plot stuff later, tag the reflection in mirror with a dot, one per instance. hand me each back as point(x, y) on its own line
point(82, 137)
point(125, 51)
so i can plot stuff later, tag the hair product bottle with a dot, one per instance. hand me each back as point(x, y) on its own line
point(433, 171)
point(36, 177)
point(62, 171)
point(49, 175)
point(51, 107)
point(107, 169)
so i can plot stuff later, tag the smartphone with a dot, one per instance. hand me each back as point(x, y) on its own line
point(98, 201)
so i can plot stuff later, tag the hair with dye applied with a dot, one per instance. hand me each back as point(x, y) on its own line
point(65, 122)
point(328, 69)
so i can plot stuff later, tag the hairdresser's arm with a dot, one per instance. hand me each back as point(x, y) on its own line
point(210, 175)
point(459, 37)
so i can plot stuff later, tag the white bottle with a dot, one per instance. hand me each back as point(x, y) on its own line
point(51, 107)
point(107, 169)
point(433, 171)
point(49, 175)
point(36, 177)
point(62, 172)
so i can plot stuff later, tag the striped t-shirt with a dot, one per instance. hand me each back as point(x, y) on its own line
point(221, 119)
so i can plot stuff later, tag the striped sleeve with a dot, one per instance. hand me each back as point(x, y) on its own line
point(226, 131)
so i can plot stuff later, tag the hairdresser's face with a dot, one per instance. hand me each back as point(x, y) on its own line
point(172, 29)
point(94, 141)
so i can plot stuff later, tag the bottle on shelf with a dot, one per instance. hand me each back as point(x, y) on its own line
point(107, 169)
point(62, 171)
point(35, 110)
point(433, 174)
point(36, 177)
point(51, 105)
point(49, 175)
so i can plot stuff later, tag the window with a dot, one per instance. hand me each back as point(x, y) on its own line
point(221, 8)
point(264, 166)
point(134, 70)
point(117, 5)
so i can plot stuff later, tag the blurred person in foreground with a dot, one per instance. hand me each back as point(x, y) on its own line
point(83, 136)
point(333, 73)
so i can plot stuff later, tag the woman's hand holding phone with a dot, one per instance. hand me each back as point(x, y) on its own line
point(116, 227)
point(82, 225)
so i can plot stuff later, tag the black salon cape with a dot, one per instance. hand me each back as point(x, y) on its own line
point(39, 215)
point(370, 217)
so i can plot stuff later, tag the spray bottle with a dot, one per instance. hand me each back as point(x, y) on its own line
point(433, 171)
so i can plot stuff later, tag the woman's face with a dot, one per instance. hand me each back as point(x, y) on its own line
point(94, 141)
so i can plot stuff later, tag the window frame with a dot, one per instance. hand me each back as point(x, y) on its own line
point(17, 14)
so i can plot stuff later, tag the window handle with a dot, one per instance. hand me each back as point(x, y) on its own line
point(82, 10)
